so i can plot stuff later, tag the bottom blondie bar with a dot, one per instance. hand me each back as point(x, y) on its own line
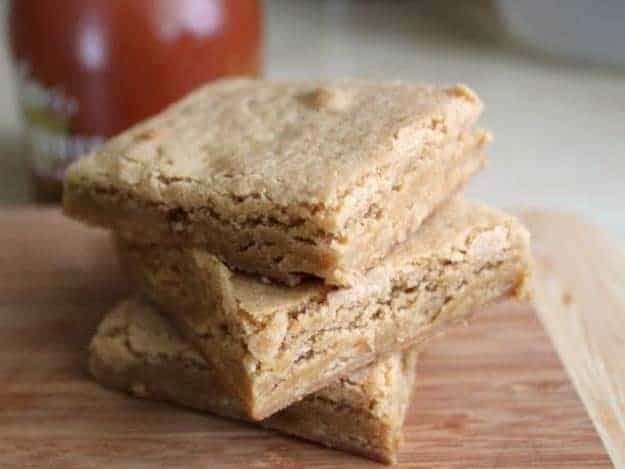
point(138, 351)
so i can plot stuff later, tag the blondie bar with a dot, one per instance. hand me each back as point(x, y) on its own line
point(273, 345)
point(285, 179)
point(138, 351)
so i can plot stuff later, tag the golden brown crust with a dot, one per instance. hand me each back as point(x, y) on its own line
point(309, 178)
point(275, 344)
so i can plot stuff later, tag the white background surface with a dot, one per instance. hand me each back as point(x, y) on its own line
point(559, 128)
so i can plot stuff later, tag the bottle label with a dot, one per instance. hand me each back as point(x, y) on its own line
point(48, 114)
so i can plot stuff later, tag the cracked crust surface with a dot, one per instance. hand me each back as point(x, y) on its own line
point(274, 345)
point(299, 178)
point(138, 351)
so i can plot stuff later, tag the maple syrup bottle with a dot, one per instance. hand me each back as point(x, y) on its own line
point(88, 69)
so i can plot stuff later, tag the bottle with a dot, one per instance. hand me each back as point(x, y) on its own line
point(88, 69)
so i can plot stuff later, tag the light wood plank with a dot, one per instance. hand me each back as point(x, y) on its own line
point(580, 297)
point(491, 395)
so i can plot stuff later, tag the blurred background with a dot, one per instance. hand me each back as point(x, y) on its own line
point(552, 75)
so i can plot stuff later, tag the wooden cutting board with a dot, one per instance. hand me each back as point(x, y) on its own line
point(490, 395)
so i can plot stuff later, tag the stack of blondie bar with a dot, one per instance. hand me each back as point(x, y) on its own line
point(292, 246)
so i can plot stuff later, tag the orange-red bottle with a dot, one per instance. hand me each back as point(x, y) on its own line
point(89, 69)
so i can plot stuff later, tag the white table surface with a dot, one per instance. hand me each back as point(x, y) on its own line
point(559, 128)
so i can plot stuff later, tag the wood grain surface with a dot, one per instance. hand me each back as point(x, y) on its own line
point(491, 395)
point(580, 297)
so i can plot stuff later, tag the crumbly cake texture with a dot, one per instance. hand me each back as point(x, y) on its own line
point(138, 351)
point(273, 345)
point(285, 179)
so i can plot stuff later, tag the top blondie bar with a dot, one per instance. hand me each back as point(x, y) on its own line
point(285, 179)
